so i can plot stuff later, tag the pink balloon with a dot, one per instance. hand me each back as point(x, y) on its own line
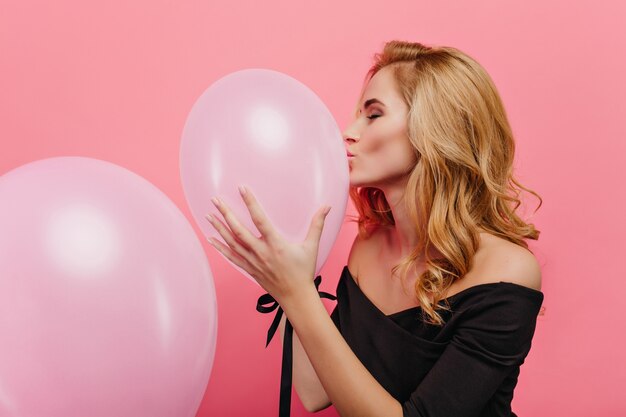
point(271, 133)
point(107, 302)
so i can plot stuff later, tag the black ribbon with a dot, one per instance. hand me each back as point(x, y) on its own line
point(267, 304)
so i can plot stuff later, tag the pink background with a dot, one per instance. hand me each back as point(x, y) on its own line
point(115, 80)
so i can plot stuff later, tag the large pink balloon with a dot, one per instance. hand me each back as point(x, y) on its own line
point(107, 302)
point(268, 131)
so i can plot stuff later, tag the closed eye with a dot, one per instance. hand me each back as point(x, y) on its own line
point(374, 116)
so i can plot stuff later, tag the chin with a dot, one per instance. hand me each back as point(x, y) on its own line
point(353, 182)
point(358, 184)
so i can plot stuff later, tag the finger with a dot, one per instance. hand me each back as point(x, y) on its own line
point(317, 225)
point(258, 216)
point(237, 247)
point(230, 255)
point(238, 230)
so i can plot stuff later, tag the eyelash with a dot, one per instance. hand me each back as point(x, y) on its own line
point(374, 116)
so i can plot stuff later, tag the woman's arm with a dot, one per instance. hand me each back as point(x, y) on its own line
point(349, 385)
point(305, 380)
point(280, 267)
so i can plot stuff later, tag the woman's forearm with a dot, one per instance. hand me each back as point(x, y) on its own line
point(305, 380)
point(349, 385)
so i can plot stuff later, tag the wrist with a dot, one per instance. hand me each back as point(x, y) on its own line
point(298, 298)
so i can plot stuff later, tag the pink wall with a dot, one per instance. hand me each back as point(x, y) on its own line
point(115, 80)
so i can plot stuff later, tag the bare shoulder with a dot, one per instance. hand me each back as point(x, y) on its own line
point(501, 260)
point(497, 260)
point(363, 248)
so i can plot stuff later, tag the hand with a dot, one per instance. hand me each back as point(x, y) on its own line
point(282, 268)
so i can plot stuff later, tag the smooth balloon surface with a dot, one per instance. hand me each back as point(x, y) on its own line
point(107, 301)
point(267, 131)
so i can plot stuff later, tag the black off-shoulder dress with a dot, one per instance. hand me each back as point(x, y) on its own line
point(466, 368)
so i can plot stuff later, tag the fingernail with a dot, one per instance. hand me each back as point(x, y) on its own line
point(242, 190)
point(326, 210)
point(215, 201)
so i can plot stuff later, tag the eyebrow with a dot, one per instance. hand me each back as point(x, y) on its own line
point(372, 101)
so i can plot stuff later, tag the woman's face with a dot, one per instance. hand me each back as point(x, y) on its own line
point(378, 136)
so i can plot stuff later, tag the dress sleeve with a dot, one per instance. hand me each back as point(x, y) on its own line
point(491, 341)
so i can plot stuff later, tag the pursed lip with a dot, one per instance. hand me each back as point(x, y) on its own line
point(349, 154)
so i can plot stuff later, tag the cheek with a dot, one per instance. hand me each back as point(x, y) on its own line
point(389, 139)
point(378, 144)
point(387, 147)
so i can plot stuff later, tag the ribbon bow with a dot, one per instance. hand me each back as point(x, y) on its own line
point(267, 304)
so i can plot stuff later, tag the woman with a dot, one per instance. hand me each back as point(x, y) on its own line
point(431, 179)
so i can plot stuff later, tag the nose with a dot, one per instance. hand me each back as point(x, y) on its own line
point(348, 141)
point(349, 135)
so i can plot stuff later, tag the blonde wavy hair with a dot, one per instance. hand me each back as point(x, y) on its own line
point(463, 178)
